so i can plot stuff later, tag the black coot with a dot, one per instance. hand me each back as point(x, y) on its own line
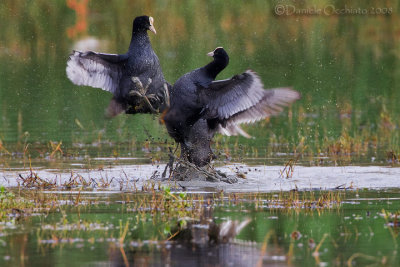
point(200, 106)
point(134, 78)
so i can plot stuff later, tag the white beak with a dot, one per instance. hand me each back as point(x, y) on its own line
point(151, 28)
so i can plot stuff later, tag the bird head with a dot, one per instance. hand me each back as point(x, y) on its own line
point(218, 52)
point(144, 23)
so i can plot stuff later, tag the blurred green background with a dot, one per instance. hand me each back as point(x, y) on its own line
point(345, 66)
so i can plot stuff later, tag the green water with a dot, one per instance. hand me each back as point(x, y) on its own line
point(354, 230)
point(346, 68)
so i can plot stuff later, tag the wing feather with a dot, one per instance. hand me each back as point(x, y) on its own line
point(95, 69)
point(243, 99)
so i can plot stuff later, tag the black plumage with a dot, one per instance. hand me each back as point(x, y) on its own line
point(135, 78)
point(200, 106)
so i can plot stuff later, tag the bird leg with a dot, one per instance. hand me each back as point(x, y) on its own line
point(142, 90)
point(170, 163)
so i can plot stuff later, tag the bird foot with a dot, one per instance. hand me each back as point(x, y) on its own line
point(142, 89)
point(141, 93)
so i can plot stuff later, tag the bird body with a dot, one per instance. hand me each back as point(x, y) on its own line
point(195, 108)
point(115, 72)
point(186, 107)
point(201, 106)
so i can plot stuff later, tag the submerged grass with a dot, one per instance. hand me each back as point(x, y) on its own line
point(163, 217)
point(12, 205)
point(163, 204)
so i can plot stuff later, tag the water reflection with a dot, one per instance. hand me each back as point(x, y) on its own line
point(127, 229)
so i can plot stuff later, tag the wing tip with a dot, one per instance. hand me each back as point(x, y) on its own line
point(294, 94)
point(234, 130)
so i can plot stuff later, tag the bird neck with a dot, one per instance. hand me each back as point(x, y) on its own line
point(139, 38)
point(216, 66)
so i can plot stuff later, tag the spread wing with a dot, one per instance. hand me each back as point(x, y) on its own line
point(95, 69)
point(242, 99)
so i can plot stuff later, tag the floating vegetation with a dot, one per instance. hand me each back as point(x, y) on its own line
point(289, 227)
point(299, 201)
point(11, 205)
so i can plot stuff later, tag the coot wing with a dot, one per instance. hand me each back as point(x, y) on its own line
point(95, 69)
point(242, 99)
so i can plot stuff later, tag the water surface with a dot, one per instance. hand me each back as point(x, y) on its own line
point(362, 229)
